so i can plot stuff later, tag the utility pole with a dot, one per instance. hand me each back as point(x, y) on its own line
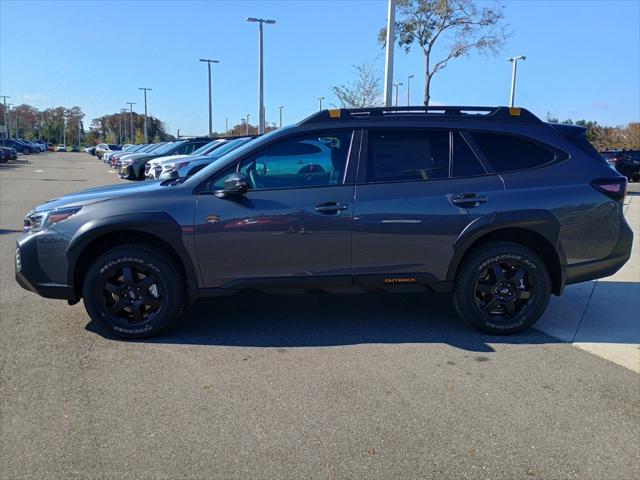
point(261, 21)
point(397, 87)
point(409, 89)
point(131, 104)
point(320, 100)
point(6, 126)
point(280, 108)
point(388, 64)
point(209, 62)
point(145, 113)
point(248, 124)
point(514, 61)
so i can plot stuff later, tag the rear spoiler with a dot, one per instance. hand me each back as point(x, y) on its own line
point(577, 135)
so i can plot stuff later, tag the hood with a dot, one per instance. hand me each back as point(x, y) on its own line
point(93, 195)
point(169, 159)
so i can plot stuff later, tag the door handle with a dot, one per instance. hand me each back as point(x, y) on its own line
point(469, 199)
point(331, 207)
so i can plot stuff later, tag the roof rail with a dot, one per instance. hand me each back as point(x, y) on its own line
point(505, 114)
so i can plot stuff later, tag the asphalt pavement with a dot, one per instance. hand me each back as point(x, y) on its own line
point(293, 387)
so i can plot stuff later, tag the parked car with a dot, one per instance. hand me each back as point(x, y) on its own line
point(627, 162)
point(185, 167)
point(134, 169)
point(493, 205)
point(107, 156)
point(102, 148)
point(61, 148)
point(153, 168)
point(19, 145)
point(7, 153)
point(128, 157)
point(75, 148)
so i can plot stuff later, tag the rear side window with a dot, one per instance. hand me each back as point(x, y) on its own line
point(465, 162)
point(395, 155)
point(506, 153)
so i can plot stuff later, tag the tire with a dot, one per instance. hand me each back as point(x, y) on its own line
point(502, 288)
point(128, 269)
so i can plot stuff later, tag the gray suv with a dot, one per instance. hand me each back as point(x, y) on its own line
point(491, 204)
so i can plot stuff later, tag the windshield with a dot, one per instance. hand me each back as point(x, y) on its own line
point(155, 147)
point(228, 146)
point(206, 172)
point(205, 148)
point(169, 146)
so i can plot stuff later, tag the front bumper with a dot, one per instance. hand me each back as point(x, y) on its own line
point(41, 265)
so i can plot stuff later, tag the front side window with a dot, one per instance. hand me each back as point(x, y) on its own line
point(401, 155)
point(311, 160)
point(506, 153)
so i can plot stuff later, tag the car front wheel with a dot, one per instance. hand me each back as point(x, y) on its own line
point(134, 291)
point(502, 288)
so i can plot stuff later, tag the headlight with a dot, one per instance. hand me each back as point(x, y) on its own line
point(126, 161)
point(36, 221)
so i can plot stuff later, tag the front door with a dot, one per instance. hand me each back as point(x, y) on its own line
point(293, 226)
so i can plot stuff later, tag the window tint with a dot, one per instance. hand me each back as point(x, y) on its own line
point(506, 153)
point(465, 162)
point(311, 160)
point(397, 155)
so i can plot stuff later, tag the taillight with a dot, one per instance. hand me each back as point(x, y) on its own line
point(615, 188)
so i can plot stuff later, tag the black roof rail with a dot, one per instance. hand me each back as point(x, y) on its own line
point(506, 114)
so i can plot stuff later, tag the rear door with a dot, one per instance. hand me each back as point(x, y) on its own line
point(417, 190)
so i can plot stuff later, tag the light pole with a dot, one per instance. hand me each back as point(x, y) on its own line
point(6, 127)
point(209, 62)
point(131, 104)
point(514, 61)
point(123, 134)
point(8, 110)
point(178, 134)
point(248, 123)
point(397, 87)
point(261, 72)
point(145, 112)
point(409, 89)
point(280, 108)
point(388, 63)
point(320, 101)
point(79, 125)
point(226, 126)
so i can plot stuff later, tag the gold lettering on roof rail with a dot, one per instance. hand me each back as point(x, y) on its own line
point(514, 111)
point(334, 112)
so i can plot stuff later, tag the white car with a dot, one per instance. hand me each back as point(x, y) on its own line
point(154, 168)
point(61, 148)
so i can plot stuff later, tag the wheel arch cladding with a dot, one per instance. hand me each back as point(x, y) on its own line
point(539, 232)
point(154, 229)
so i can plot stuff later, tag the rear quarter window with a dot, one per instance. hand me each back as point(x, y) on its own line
point(506, 153)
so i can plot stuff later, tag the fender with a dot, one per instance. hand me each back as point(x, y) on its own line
point(541, 222)
point(158, 224)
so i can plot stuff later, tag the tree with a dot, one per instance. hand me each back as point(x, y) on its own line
point(366, 91)
point(139, 136)
point(465, 26)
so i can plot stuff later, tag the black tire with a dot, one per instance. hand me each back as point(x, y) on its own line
point(117, 293)
point(502, 288)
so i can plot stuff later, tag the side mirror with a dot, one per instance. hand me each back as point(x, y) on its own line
point(237, 184)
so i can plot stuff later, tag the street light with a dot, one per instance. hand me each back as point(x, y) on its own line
point(248, 123)
point(280, 108)
point(209, 62)
point(397, 87)
point(226, 126)
point(122, 125)
point(409, 89)
point(6, 127)
point(261, 21)
point(131, 104)
point(8, 110)
point(388, 63)
point(320, 100)
point(514, 61)
point(145, 112)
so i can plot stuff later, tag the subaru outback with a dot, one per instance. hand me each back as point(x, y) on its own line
point(492, 205)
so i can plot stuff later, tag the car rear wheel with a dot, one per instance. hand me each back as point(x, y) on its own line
point(134, 291)
point(502, 288)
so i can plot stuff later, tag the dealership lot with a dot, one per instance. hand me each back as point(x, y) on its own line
point(314, 386)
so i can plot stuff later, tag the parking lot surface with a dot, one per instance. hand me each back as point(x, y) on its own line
point(312, 386)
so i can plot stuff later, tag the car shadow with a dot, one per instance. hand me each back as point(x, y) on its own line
point(323, 320)
point(8, 231)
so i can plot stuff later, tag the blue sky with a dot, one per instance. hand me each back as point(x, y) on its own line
point(583, 58)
